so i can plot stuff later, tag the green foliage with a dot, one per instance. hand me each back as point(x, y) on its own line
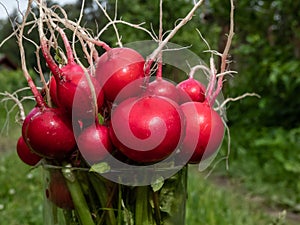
point(21, 192)
point(265, 52)
point(10, 48)
point(10, 80)
point(266, 55)
point(216, 205)
point(266, 161)
point(274, 78)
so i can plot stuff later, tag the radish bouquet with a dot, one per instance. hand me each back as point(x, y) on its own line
point(114, 135)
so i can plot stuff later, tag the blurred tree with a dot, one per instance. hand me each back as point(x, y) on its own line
point(10, 49)
point(266, 55)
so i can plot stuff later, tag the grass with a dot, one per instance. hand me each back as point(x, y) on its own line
point(265, 161)
point(21, 198)
point(211, 204)
point(21, 192)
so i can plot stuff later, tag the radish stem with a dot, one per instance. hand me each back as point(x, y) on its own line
point(78, 198)
point(37, 95)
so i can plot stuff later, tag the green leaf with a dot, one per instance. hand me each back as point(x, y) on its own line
point(58, 57)
point(167, 199)
point(101, 167)
point(100, 119)
point(157, 184)
point(292, 166)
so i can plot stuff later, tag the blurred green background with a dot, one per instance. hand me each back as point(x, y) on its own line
point(261, 185)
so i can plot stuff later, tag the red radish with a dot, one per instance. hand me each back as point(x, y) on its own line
point(25, 154)
point(94, 143)
point(147, 129)
point(49, 133)
point(74, 94)
point(117, 68)
point(28, 117)
point(53, 90)
point(58, 191)
point(71, 80)
point(191, 90)
point(163, 88)
point(204, 130)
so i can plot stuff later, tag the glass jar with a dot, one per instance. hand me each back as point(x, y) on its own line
point(79, 196)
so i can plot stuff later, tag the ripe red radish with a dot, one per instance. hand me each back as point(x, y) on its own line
point(25, 154)
point(204, 130)
point(35, 110)
point(94, 143)
point(160, 86)
point(191, 90)
point(75, 85)
point(58, 192)
point(163, 88)
point(116, 69)
point(49, 133)
point(53, 90)
point(71, 80)
point(147, 129)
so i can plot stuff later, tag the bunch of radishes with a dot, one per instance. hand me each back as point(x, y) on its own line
point(144, 121)
point(116, 110)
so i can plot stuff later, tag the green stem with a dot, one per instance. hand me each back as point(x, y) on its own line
point(68, 217)
point(79, 201)
point(101, 192)
point(54, 211)
point(93, 204)
point(119, 204)
point(156, 208)
point(142, 212)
